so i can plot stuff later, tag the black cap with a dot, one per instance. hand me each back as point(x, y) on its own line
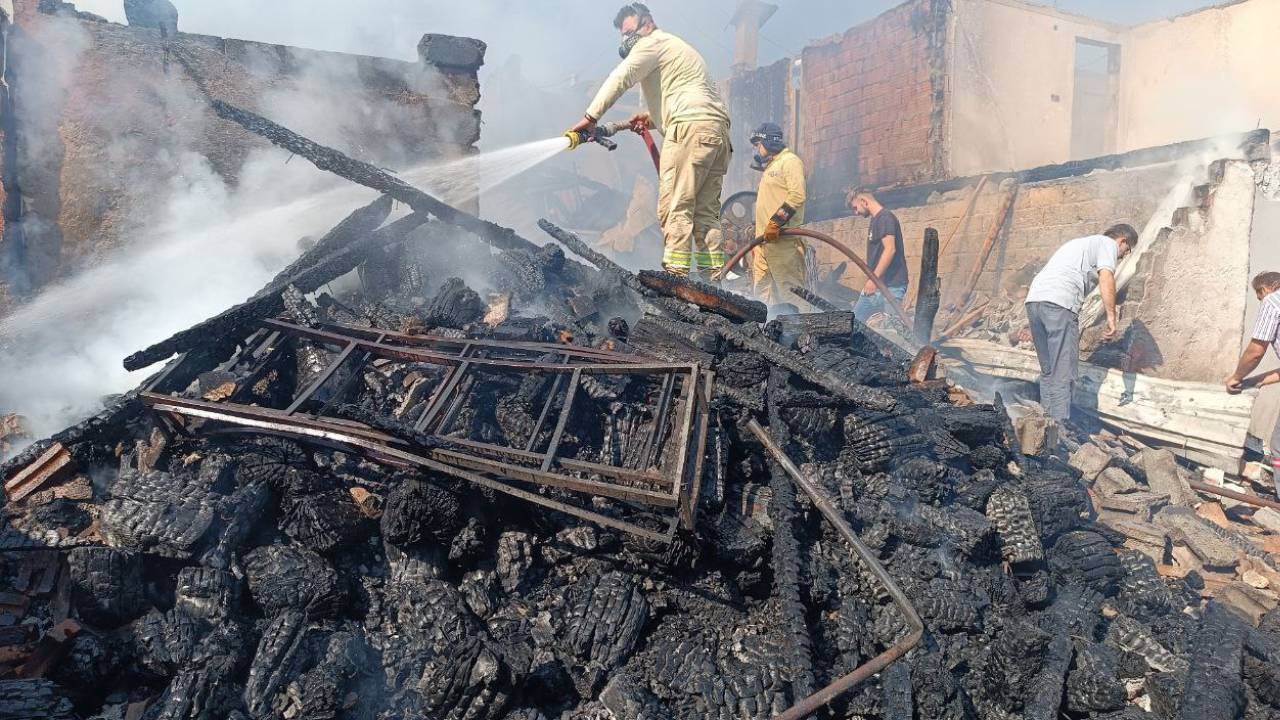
point(770, 135)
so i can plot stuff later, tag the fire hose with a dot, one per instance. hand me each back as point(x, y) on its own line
point(823, 237)
point(601, 133)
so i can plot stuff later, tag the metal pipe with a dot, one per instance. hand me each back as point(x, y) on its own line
point(853, 257)
point(1246, 499)
point(826, 695)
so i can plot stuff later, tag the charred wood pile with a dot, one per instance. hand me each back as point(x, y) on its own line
point(565, 491)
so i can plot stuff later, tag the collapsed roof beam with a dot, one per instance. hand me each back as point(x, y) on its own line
point(362, 173)
point(233, 322)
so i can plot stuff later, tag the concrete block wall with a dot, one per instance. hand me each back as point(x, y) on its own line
point(1044, 216)
point(872, 104)
point(107, 116)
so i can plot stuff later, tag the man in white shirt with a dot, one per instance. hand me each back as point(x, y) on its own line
point(1266, 334)
point(1053, 307)
point(684, 105)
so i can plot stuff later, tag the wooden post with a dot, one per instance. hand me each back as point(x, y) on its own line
point(929, 295)
point(997, 226)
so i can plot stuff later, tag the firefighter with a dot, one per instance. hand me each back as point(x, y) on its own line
point(684, 105)
point(778, 264)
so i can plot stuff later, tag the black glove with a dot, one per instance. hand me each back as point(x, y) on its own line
point(784, 215)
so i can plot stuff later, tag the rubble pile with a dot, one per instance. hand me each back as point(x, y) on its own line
point(1225, 534)
point(266, 531)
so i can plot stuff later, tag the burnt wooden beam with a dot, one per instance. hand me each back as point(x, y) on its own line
point(238, 320)
point(707, 297)
point(929, 295)
point(356, 225)
point(814, 299)
point(859, 395)
point(363, 173)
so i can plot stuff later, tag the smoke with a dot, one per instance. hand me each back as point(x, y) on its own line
point(62, 352)
point(29, 253)
point(211, 233)
point(218, 226)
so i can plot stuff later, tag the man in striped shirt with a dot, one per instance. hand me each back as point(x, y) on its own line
point(1266, 333)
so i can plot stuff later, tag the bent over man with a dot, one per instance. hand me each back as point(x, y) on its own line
point(684, 105)
point(1053, 308)
point(777, 264)
point(1266, 334)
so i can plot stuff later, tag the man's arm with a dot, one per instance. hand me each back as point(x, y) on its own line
point(1261, 380)
point(1249, 360)
point(1107, 287)
point(642, 61)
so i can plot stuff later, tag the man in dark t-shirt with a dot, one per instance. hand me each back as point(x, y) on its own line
point(885, 253)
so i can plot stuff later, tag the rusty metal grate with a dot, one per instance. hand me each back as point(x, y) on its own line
point(654, 500)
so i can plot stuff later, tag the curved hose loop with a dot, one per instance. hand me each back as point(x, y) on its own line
point(823, 237)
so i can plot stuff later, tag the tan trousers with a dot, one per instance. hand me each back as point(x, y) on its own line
point(695, 158)
point(776, 267)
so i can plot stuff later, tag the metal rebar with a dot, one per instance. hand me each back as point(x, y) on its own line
point(1241, 497)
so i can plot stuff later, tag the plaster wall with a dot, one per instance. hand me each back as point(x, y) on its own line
point(1197, 291)
point(1011, 84)
point(1200, 75)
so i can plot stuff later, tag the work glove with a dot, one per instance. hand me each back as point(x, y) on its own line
point(779, 219)
point(575, 139)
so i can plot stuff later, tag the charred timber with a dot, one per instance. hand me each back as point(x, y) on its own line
point(786, 551)
point(235, 322)
point(666, 305)
point(815, 299)
point(355, 226)
point(362, 173)
point(930, 294)
point(103, 428)
point(705, 296)
point(576, 246)
point(859, 395)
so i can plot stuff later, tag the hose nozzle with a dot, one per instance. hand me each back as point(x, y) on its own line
point(599, 135)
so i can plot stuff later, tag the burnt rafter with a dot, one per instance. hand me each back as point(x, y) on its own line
point(353, 238)
point(363, 173)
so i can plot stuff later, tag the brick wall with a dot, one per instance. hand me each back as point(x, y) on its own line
point(108, 116)
point(1045, 215)
point(872, 108)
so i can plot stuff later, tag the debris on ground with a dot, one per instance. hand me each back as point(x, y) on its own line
point(598, 500)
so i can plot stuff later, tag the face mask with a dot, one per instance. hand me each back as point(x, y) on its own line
point(760, 161)
point(628, 42)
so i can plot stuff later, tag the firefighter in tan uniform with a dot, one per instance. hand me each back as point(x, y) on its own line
point(777, 265)
point(684, 105)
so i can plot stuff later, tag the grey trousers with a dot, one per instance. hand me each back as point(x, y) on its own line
point(1056, 333)
point(1275, 456)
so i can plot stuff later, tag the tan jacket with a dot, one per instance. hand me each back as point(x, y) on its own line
point(782, 182)
point(674, 78)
